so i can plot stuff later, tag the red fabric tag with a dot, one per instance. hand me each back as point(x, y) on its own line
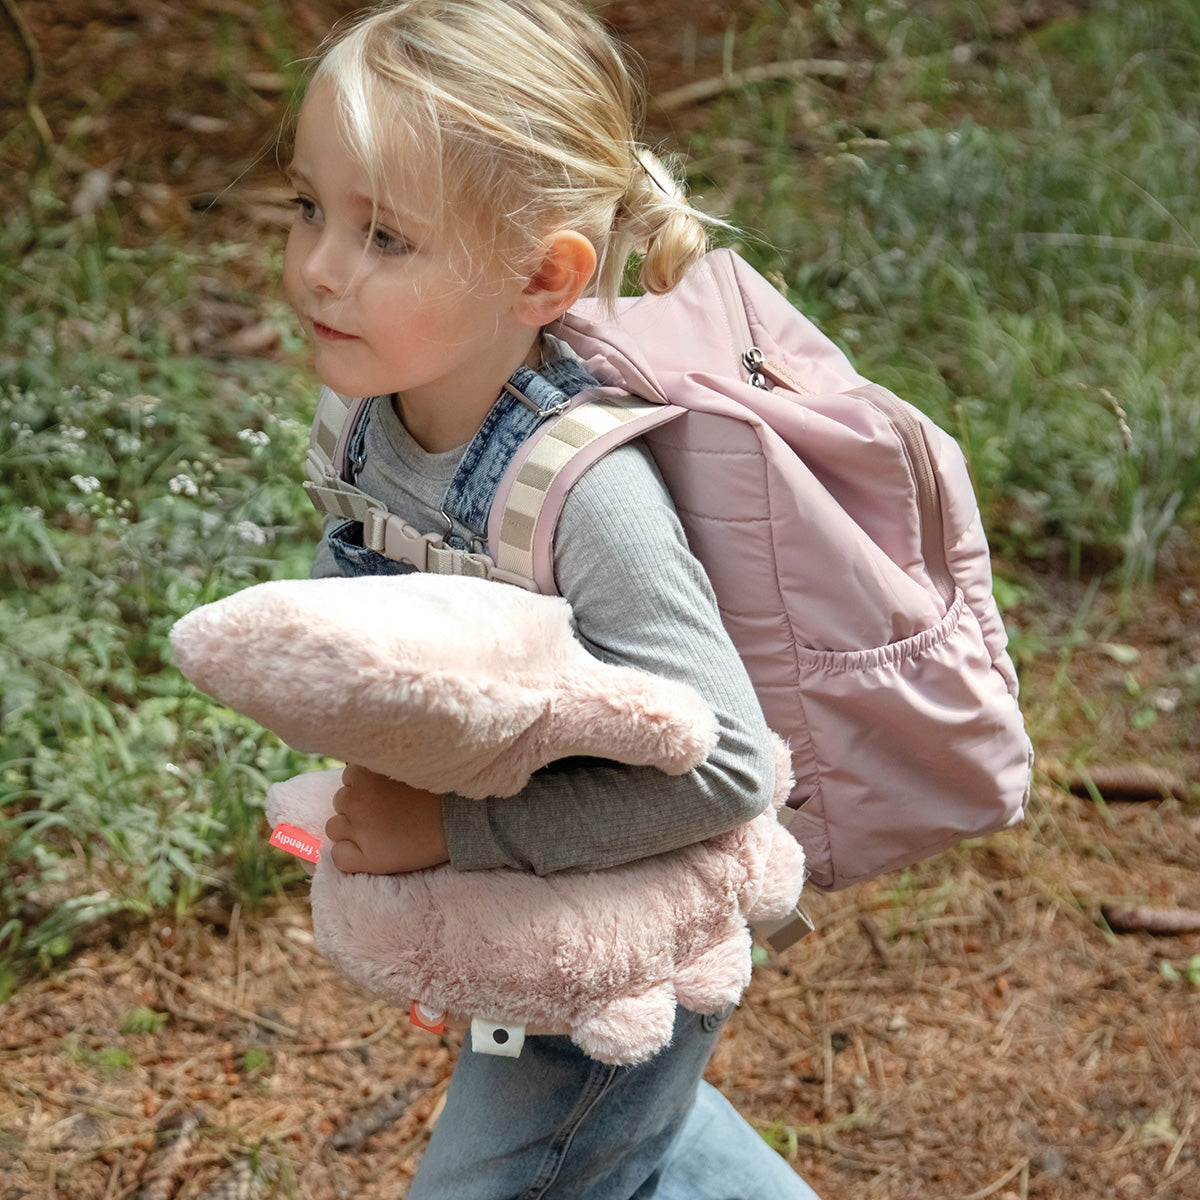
point(422, 1018)
point(296, 841)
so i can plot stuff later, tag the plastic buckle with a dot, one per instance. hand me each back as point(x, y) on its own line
point(320, 469)
point(786, 931)
point(386, 534)
point(500, 576)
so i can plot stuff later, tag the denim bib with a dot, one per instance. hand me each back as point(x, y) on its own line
point(528, 398)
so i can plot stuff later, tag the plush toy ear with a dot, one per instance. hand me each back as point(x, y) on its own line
point(448, 683)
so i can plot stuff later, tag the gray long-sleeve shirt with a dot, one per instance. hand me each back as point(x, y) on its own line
point(640, 599)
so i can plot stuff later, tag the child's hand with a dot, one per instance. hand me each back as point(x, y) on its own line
point(383, 827)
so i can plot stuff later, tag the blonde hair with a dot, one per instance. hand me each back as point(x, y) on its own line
point(529, 109)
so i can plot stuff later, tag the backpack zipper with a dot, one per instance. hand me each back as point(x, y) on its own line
point(761, 370)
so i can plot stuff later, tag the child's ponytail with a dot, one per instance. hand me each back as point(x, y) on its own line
point(654, 219)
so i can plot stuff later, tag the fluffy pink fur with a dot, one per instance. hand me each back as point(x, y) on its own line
point(459, 685)
point(392, 671)
point(603, 956)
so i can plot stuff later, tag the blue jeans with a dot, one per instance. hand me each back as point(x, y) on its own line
point(554, 1124)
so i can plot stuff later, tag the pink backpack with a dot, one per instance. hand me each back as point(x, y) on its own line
point(841, 533)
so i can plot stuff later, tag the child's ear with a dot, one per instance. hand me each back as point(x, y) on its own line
point(566, 267)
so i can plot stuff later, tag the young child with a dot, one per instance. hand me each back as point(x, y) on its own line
point(464, 171)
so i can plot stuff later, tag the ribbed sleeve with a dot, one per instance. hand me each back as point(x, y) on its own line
point(640, 599)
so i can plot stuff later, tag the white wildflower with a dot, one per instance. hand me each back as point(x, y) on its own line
point(87, 484)
point(254, 437)
point(183, 485)
point(252, 534)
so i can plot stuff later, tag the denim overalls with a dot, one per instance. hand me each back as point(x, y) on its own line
point(528, 399)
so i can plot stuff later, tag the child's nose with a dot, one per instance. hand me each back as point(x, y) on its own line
point(323, 267)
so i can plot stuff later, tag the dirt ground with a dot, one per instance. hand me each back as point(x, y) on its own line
point(974, 1028)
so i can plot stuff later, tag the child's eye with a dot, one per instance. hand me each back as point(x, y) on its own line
point(388, 243)
point(304, 206)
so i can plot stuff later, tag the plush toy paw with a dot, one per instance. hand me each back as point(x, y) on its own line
point(602, 956)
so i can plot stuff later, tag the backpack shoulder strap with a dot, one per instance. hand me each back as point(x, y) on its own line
point(552, 459)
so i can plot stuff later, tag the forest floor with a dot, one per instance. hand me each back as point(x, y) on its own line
point(979, 1026)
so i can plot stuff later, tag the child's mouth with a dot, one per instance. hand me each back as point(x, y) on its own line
point(329, 333)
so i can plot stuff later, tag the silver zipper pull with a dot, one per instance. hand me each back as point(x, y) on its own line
point(753, 360)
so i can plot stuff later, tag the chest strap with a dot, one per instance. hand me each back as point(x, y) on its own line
point(333, 425)
point(541, 468)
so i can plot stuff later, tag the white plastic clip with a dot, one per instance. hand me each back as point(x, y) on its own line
point(494, 1037)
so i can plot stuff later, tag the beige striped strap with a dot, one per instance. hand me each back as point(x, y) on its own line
point(325, 461)
point(333, 412)
point(531, 494)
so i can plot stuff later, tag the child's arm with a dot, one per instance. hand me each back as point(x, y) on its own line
point(640, 599)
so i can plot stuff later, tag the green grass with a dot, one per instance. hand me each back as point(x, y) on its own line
point(135, 485)
point(1001, 228)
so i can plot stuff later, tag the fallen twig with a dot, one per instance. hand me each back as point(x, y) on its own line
point(793, 68)
point(874, 939)
point(796, 68)
point(236, 1009)
point(1146, 919)
point(1121, 781)
point(1021, 1167)
point(378, 1115)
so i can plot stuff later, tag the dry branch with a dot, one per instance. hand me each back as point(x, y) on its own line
point(797, 68)
point(1019, 1168)
point(793, 68)
point(1145, 919)
point(1121, 781)
point(384, 1111)
point(875, 939)
point(236, 1009)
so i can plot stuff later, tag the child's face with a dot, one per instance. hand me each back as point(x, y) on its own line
point(390, 299)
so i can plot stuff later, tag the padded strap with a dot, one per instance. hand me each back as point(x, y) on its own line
point(530, 496)
point(333, 424)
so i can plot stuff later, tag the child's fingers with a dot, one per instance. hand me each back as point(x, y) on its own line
point(348, 858)
point(339, 829)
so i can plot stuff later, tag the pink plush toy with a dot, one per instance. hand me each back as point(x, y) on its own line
point(457, 684)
